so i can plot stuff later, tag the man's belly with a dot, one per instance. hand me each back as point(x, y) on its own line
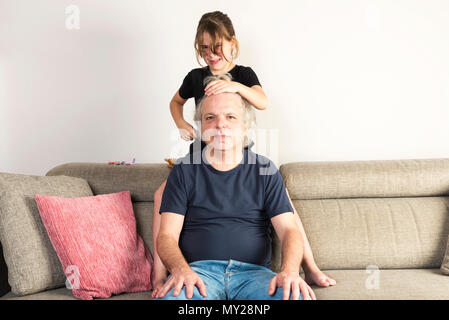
point(251, 244)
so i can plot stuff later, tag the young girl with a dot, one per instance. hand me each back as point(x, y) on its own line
point(216, 44)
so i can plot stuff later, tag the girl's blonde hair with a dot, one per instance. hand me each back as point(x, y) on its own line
point(219, 26)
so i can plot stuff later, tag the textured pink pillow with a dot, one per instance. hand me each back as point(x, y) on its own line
point(97, 243)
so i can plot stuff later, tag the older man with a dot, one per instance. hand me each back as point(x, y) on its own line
point(216, 214)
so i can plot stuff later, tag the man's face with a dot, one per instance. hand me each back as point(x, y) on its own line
point(223, 126)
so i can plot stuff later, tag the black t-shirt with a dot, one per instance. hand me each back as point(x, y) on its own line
point(227, 213)
point(192, 86)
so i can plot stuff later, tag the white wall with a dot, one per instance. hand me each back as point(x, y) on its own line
point(347, 79)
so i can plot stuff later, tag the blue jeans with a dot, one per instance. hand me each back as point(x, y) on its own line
point(231, 280)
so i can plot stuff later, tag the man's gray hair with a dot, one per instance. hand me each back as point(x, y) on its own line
point(249, 114)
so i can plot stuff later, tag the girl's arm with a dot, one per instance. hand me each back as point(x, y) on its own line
point(255, 95)
point(159, 273)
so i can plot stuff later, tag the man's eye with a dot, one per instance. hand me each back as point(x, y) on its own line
point(209, 118)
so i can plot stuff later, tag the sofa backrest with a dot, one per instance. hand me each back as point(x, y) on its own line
point(142, 180)
point(383, 213)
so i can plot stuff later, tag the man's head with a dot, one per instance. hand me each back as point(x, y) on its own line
point(225, 119)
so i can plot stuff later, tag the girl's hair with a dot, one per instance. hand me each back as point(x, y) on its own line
point(219, 26)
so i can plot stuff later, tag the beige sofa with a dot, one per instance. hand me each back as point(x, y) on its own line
point(380, 228)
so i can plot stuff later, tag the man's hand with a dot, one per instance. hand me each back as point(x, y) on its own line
point(291, 282)
point(184, 277)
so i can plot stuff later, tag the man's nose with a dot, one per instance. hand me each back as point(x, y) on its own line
point(221, 122)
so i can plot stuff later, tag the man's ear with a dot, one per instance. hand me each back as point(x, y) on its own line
point(246, 138)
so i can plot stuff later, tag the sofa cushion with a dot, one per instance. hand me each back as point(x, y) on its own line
point(66, 294)
point(32, 262)
point(96, 238)
point(402, 284)
point(392, 233)
point(385, 284)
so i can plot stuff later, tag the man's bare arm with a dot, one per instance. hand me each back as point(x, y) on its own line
point(167, 241)
point(291, 240)
point(292, 254)
point(170, 254)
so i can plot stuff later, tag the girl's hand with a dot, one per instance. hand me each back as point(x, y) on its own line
point(159, 275)
point(220, 86)
point(186, 131)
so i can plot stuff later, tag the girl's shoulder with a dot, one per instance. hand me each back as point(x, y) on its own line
point(239, 69)
point(245, 75)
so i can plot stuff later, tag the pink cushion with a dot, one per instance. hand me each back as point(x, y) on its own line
point(97, 243)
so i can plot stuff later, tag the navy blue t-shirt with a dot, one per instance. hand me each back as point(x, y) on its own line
point(227, 213)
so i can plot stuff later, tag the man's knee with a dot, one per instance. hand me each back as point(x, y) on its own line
point(258, 288)
point(279, 295)
point(262, 294)
point(182, 295)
